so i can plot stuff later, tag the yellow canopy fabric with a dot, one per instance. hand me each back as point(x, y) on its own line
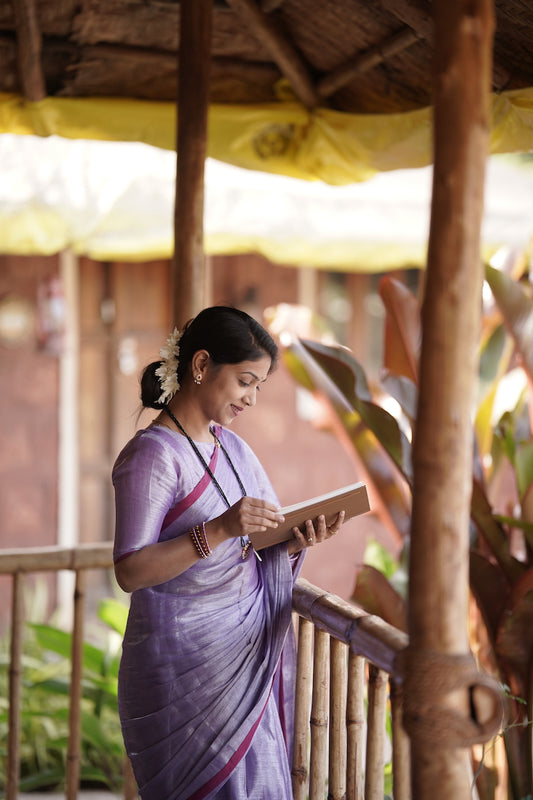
point(281, 138)
point(115, 201)
point(360, 206)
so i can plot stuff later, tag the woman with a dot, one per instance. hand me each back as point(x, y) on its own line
point(205, 693)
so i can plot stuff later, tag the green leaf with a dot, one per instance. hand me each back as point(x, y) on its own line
point(491, 354)
point(45, 779)
point(53, 639)
point(94, 731)
point(60, 642)
point(517, 311)
point(524, 467)
point(379, 557)
point(114, 613)
point(336, 372)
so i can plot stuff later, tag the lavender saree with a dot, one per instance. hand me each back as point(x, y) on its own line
point(205, 683)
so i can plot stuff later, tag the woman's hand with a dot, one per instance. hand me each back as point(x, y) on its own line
point(248, 515)
point(314, 534)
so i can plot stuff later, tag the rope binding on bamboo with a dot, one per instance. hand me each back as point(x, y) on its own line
point(429, 679)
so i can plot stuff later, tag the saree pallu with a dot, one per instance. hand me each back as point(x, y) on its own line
point(205, 683)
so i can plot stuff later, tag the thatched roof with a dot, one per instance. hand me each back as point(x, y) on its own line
point(348, 55)
point(334, 90)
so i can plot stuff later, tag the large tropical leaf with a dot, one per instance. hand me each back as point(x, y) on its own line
point(403, 331)
point(517, 311)
point(374, 592)
point(404, 391)
point(493, 533)
point(515, 639)
point(389, 491)
point(335, 371)
point(491, 590)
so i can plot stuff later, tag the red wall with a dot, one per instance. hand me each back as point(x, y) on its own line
point(29, 414)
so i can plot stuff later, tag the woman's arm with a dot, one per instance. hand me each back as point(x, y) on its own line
point(161, 561)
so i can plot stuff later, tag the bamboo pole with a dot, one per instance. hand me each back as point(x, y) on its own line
point(130, 784)
point(302, 710)
point(355, 724)
point(56, 557)
point(74, 739)
point(401, 750)
point(366, 634)
point(319, 717)
point(337, 727)
point(375, 739)
point(442, 452)
point(15, 688)
point(188, 265)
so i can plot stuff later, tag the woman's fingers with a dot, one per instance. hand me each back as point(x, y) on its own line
point(314, 533)
point(252, 514)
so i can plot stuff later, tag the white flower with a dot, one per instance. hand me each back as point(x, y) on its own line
point(168, 371)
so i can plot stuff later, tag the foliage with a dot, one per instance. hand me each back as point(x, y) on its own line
point(501, 567)
point(45, 705)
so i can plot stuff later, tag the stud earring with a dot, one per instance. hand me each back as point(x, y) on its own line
point(198, 379)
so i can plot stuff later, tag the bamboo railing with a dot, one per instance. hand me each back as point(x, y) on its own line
point(346, 664)
point(346, 661)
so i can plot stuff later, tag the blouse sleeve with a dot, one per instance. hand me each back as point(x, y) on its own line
point(145, 481)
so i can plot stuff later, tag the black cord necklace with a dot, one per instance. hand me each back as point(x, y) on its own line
point(245, 546)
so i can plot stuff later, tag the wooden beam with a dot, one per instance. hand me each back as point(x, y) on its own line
point(414, 13)
point(29, 43)
point(366, 61)
point(271, 5)
point(189, 267)
point(437, 711)
point(417, 15)
point(283, 53)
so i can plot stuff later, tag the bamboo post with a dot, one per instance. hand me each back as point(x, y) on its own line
point(442, 452)
point(15, 687)
point(130, 784)
point(319, 716)
point(355, 724)
point(375, 740)
point(337, 728)
point(73, 753)
point(302, 711)
point(401, 751)
point(188, 266)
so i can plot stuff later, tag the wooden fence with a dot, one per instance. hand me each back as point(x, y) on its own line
point(347, 695)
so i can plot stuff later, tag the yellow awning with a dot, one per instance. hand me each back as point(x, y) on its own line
point(282, 138)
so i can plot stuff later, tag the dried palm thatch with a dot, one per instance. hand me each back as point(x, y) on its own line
point(346, 55)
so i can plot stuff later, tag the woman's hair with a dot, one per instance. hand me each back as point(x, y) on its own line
point(228, 334)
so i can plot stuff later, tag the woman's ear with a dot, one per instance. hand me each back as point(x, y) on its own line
point(199, 362)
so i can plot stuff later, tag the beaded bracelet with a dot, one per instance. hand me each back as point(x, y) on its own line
point(199, 539)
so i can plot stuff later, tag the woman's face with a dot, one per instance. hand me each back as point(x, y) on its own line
point(229, 389)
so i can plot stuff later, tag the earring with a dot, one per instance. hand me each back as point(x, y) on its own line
point(198, 379)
